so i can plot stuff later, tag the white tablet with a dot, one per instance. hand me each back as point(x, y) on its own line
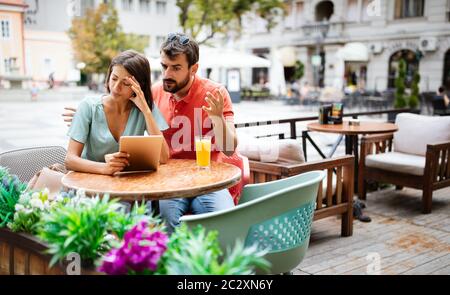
point(144, 151)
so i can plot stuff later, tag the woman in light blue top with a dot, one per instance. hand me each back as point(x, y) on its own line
point(126, 109)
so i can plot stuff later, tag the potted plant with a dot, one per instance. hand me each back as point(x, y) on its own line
point(414, 98)
point(402, 100)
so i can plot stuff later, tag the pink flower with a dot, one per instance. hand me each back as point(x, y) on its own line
point(140, 251)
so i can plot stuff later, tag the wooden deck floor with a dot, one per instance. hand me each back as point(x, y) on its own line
point(406, 241)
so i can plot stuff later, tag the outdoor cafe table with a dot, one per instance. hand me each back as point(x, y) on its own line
point(351, 133)
point(176, 179)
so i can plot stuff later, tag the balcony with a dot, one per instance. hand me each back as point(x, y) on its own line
point(324, 30)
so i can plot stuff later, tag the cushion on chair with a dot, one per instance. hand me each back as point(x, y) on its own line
point(325, 184)
point(397, 162)
point(416, 131)
point(271, 150)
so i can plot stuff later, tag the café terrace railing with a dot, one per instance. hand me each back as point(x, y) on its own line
point(294, 134)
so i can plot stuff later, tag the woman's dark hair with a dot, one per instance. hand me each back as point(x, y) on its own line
point(138, 66)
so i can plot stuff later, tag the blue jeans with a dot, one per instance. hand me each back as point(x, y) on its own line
point(172, 209)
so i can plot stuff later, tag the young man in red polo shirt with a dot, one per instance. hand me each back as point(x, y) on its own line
point(186, 101)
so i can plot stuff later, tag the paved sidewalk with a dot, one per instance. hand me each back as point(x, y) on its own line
point(399, 240)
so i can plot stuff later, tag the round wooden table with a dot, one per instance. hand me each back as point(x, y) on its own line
point(351, 133)
point(176, 179)
point(346, 129)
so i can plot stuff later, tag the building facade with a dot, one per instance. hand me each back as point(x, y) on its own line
point(48, 48)
point(358, 43)
point(12, 54)
point(152, 18)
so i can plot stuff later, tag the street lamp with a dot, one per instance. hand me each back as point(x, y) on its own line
point(318, 31)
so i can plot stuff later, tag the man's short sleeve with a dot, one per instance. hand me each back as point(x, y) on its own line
point(159, 118)
point(228, 113)
point(81, 123)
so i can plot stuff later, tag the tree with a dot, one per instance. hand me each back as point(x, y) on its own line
point(400, 99)
point(98, 37)
point(212, 17)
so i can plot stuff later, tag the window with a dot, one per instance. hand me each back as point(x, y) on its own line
point(127, 5)
point(6, 31)
point(144, 6)
point(448, 10)
point(299, 9)
point(85, 5)
point(294, 11)
point(364, 15)
point(352, 11)
point(324, 10)
point(289, 9)
point(7, 65)
point(10, 65)
point(409, 8)
point(160, 7)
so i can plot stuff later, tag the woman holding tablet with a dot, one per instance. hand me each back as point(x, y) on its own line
point(126, 109)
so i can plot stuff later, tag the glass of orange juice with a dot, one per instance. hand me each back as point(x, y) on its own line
point(203, 151)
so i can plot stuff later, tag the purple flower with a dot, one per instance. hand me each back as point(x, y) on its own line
point(140, 251)
point(113, 263)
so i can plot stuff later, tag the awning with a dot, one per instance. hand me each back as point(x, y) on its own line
point(230, 58)
point(354, 51)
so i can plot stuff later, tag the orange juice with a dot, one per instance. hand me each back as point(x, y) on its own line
point(203, 151)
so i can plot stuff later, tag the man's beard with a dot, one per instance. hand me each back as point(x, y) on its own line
point(175, 87)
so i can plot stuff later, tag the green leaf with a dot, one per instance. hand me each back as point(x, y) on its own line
point(97, 37)
point(198, 253)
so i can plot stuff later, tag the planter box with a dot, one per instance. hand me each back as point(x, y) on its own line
point(24, 254)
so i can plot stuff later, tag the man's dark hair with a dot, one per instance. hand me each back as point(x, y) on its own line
point(177, 44)
point(138, 66)
point(441, 89)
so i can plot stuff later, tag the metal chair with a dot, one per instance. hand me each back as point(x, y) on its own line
point(26, 162)
point(275, 215)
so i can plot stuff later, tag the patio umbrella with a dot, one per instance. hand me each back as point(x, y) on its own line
point(230, 58)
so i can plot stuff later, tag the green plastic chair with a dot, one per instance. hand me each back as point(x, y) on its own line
point(275, 215)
